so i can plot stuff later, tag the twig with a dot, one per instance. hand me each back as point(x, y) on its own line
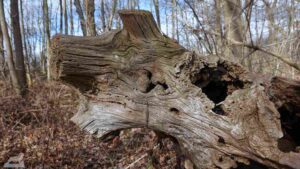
point(257, 48)
point(133, 163)
point(137, 160)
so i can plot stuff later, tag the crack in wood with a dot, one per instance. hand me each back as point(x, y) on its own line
point(147, 115)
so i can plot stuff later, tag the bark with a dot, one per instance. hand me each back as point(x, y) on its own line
point(167, 22)
point(81, 16)
point(71, 18)
point(27, 61)
point(47, 34)
point(221, 115)
point(41, 27)
point(201, 44)
point(103, 16)
point(8, 47)
point(156, 5)
point(2, 58)
point(17, 39)
point(113, 11)
point(90, 20)
point(233, 26)
point(65, 16)
point(173, 19)
point(177, 28)
point(218, 26)
point(187, 39)
point(61, 17)
point(270, 9)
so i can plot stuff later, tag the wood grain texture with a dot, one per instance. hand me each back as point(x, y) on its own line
point(220, 114)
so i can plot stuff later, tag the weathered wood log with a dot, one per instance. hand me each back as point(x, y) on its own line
point(221, 115)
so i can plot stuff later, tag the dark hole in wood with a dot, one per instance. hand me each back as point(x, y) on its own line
point(110, 136)
point(174, 110)
point(164, 85)
point(150, 87)
point(218, 110)
point(290, 124)
point(221, 140)
point(238, 84)
point(211, 82)
point(220, 159)
point(149, 74)
point(83, 83)
point(216, 91)
point(252, 165)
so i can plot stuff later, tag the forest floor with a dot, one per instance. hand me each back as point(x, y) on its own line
point(39, 126)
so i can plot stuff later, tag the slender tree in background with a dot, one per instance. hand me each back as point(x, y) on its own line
point(156, 5)
point(129, 4)
point(270, 8)
point(173, 19)
point(218, 25)
point(71, 18)
point(103, 15)
point(81, 16)
point(176, 18)
point(42, 32)
point(233, 25)
point(111, 17)
point(167, 22)
point(17, 39)
point(90, 20)
point(26, 55)
point(61, 17)
point(118, 21)
point(8, 47)
point(2, 59)
point(47, 34)
point(65, 16)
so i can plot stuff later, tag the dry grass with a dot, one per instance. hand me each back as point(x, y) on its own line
point(39, 127)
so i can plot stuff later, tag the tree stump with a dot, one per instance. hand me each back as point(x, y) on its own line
point(221, 115)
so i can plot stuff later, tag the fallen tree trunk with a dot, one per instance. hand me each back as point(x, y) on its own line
point(221, 115)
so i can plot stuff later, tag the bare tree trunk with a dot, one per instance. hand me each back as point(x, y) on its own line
point(71, 18)
point(177, 27)
point(65, 16)
point(233, 26)
point(270, 9)
point(130, 4)
point(120, 6)
point(43, 60)
point(47, 34)
point(61, 17)
point(103, 16)
point(8, 47)
point(2, 58)
point(81, 16)
point(27, 61)
point(19, 57)
point(90, 20)
point(173, 19)
point(221, 115)
point(156, 5)
point(112, 14)
point(167, 22)
point(218, 26)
